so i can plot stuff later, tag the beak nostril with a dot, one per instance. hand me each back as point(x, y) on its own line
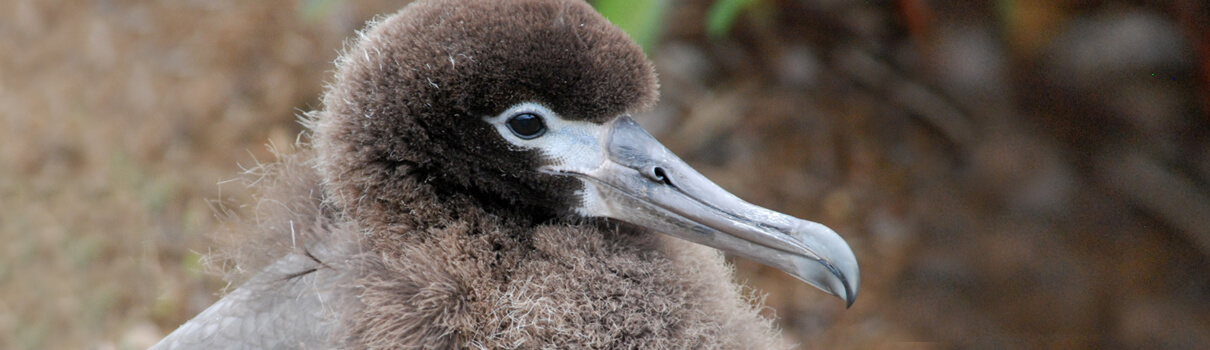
point(661, 176)
point(657, 174)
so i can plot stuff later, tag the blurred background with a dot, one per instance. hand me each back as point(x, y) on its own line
point(1010, 173)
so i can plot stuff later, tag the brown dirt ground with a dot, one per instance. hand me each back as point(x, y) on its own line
point(1021, 200)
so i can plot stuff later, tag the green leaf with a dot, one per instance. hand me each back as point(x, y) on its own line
point(641, 19)
point(722, 15)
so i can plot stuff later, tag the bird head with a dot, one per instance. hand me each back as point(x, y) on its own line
point(526, 104)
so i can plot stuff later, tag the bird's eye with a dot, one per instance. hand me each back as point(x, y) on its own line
point(527, 126)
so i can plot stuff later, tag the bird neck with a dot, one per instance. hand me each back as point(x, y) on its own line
point(409, 201)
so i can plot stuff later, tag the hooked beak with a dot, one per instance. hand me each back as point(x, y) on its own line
point(639, 181)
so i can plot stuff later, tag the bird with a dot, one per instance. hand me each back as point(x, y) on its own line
point(475, 178)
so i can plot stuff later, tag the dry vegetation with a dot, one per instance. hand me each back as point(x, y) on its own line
point(1019, 173)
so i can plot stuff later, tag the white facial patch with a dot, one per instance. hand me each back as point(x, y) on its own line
point(567, 146)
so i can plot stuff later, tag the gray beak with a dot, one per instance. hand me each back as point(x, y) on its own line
point(639, 181)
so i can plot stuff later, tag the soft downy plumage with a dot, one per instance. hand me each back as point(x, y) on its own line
point(410, 221)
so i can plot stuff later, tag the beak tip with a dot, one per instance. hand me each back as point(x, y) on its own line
point(850, 291)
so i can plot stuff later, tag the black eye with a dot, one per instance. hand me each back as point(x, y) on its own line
point(527, 126)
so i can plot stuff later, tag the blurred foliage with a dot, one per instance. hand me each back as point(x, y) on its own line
point(316, 10)
point(722, 16)
point(641, 19)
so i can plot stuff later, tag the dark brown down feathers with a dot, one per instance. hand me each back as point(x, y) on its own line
point(448, 237)
point(409, 99)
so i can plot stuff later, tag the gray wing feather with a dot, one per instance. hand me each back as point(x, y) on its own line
point(276, 309)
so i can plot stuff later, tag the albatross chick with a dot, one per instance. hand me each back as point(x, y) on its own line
point(475, 180)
